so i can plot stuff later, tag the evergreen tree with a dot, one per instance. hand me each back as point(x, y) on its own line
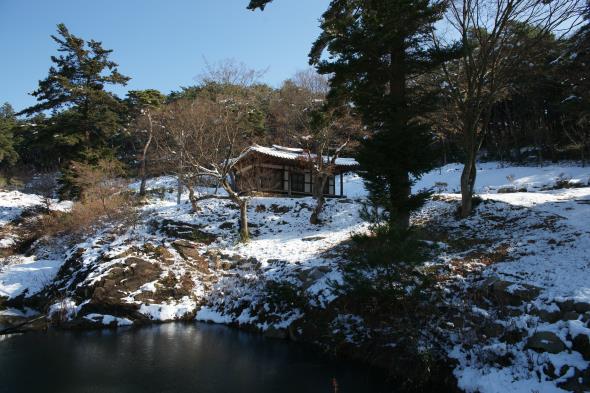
point(8, 122)
point(86, 116)
point(143, 105)
point(575, 102)
point(376, 48)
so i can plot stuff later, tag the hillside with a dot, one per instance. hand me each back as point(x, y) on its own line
point(515, 276)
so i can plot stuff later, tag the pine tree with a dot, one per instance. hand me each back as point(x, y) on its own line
point(376, 47)
point(86, 116)
point(8, 154)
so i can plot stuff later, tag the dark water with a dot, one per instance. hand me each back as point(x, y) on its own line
point(197, 358)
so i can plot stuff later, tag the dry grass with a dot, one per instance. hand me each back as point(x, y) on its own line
point(88, 214)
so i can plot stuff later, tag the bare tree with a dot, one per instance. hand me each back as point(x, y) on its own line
point(146, 105)
point(486, 30)
point(182, 141)
point(312, 82)
point(331, 132)
point(202, 137)
point(230, 72)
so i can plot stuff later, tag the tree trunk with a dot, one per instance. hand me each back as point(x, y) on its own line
point(320, 200)
point(142, 168)
point(243, 205)
point(467, 185)
point(192, 198)
point(400, 191)
point(244, 232)
point(178, 191)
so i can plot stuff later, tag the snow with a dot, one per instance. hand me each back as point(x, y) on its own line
point(493, 175)
point(548, 238)
point(168, 312)
point(206, 314)
point(289, 153)
point(13, 203)
point(548, 242)
point(28, 274)
point(108, 320)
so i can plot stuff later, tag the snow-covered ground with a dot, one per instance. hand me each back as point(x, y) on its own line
point(548, 233)
point(13, 203)
point(492, 176)
point(546, 230)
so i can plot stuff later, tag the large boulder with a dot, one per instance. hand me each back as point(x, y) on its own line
point(582, 307)
point(123, 279)
point(183, 230)
point(190, 252)
point(508, 293)
point(545, 342)
point(581, 343)
point(507, 190)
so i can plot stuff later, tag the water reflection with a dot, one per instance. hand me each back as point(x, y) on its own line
point(194, 358)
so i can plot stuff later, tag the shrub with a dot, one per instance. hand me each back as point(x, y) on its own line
point(103, 197)
point(87, 214)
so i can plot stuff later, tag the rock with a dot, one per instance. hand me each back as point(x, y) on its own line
point(186, 249)
point(581, 343)
point(279, 209)
point(582, 307)
point(507, 190)
point(579, 382)
point(552, 373)
point(226, 225)
point(183, 230)
point(274, 261)
point(548, 316)
point(513, 336)
point(277, 333)
point(312, 238)
point(508, 293)
point(545, 342)
point(570, 316)
point(309, 277)
point(160, 252)
point(565, 306)
point(493, 330)
point(121, 280)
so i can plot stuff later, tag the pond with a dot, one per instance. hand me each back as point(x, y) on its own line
point(175, 358)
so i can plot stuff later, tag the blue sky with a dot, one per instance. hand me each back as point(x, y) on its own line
point(159, 44)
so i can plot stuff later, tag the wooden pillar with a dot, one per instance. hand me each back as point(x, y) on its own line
point(341, 183)
point(289, 179)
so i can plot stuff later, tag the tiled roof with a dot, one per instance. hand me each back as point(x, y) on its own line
point(289, 153)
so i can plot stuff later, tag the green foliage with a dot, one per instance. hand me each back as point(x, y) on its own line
point(255, 4)
point(385, 268)
point(284, 296)
point(138, 100)
point(375, 48)
point(80, 178)
point(576, 77)
point(8, 154)
point(86, 118)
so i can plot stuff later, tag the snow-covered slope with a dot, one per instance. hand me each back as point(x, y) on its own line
point(532, 230)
